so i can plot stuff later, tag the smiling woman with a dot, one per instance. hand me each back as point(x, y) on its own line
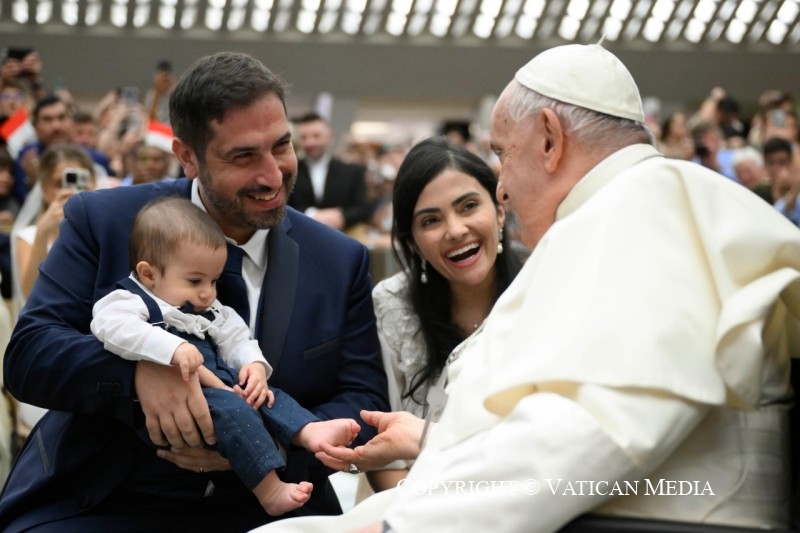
point(448, 228)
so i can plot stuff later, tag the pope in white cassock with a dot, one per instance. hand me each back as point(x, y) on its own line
point(647, 340)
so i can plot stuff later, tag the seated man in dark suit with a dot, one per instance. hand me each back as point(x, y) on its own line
point(328, 189)
point(308, 304)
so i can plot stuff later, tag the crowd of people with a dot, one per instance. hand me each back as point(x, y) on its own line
point(748, 149)
point(584, 293)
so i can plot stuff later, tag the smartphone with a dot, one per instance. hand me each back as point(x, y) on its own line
point(75, 178)
point(129, 95)
point(18, 53)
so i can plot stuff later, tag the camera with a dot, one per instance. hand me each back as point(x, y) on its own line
point(19, 54)
point(777, 118)
point(75, 178)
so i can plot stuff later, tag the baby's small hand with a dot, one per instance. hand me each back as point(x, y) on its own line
point(253, 379)
point(188, 358)
point(270, 397)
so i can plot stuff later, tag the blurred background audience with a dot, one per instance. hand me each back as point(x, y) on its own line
point(123, 138)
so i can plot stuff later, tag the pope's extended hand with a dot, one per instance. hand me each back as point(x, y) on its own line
point(398, 438)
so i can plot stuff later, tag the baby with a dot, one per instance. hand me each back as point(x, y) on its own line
point(167, 312)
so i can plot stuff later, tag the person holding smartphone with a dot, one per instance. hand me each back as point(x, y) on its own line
point(157, 98)
point(21, 64)
point(64, 169)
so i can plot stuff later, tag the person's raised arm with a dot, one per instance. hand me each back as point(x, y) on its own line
point(29, 255)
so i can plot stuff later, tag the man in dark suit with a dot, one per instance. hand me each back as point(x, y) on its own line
point(83, 467)
point(328, 190)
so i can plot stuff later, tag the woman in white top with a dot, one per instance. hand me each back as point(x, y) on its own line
point(33, 241)
point(36, 229)
point(448, 235)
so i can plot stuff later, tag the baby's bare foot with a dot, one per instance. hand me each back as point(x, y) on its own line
point(337, 432)
point(277, 497)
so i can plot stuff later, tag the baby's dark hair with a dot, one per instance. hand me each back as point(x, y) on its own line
point(163, 224)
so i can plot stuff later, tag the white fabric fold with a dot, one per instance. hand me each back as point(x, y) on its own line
point(663, 236)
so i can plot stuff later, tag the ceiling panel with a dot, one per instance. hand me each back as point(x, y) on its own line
point(736, 24)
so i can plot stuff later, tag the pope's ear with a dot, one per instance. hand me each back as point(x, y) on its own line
point(501, 215)
point(186, 157)
point(552, 138)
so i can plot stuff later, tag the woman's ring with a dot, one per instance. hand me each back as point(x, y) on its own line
point(353, 469)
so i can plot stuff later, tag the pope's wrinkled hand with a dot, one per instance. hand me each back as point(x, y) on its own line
point(398, 438)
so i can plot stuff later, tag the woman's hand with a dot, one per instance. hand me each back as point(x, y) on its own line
point(196, 459)
point(398, 438)
point(49, 220)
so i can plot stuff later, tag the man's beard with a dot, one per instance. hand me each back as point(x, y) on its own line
point(233, 209)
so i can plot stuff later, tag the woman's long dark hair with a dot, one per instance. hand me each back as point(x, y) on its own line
point(432, 301)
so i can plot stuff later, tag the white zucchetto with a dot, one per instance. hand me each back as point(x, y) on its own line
point(587, 76)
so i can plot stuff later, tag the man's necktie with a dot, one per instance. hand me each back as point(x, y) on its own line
point(231, 289)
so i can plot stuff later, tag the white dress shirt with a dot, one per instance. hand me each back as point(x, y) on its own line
point(254, 263)
point(318, 173)
point(120, 322)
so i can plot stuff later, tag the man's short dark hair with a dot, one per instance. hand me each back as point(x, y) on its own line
point(214, 85)
point(47, 101)
point(81, 117)
point(310, 116)
point(776, 144)
point(728, 105)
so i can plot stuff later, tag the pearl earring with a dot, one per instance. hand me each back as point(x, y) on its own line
point(500, 241)
point(423, 277)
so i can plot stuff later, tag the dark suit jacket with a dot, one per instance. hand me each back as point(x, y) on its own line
point(345, 187)
point(316, 328)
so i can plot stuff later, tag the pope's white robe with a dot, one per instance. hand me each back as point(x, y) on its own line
point(647, 339)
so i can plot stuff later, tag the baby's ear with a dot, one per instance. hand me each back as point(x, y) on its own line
point(146, 274)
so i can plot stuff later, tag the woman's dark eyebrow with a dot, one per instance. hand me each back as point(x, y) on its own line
point(463, 197)
point(453, 203)
point(426, 211)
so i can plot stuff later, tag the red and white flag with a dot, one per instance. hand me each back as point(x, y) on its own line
point(17, 131)
point(159, 135)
